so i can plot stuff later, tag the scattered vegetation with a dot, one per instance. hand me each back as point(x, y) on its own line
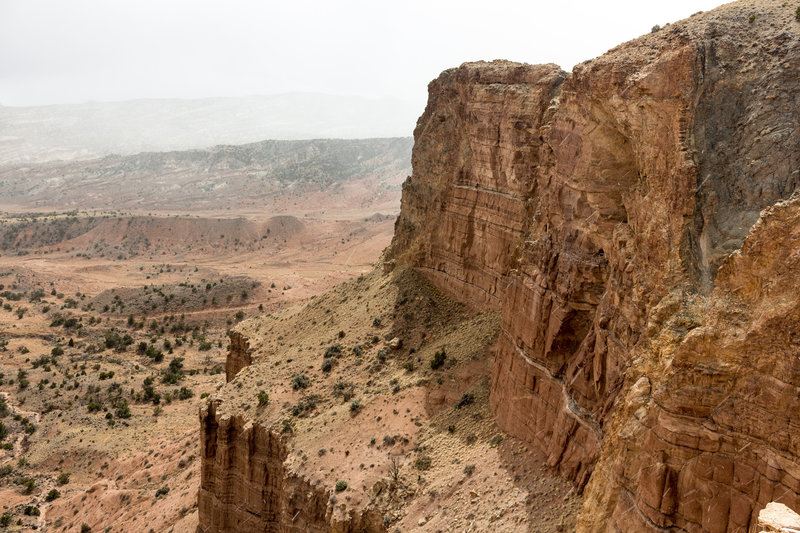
point(438, 359)
point(300, 381)
point(263, 398)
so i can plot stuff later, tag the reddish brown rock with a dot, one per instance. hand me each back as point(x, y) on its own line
point(246, 487)
point(633, 222)
point(599, 210)
point(239, 355)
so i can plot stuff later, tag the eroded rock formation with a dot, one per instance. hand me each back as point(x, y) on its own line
point(635, 222)
point(239, 354)
point(646, 337)
point(246, 487)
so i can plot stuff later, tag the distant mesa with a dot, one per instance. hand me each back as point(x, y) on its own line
point(85, 131)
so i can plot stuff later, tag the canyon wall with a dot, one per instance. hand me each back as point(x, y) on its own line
point(239, 355)
point(247, 488)
point(648, 345)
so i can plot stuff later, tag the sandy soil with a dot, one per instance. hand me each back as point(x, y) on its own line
point(415, 442)
point(67, 430)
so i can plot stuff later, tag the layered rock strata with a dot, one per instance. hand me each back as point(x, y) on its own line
point(644, 349)
point(246, 486)
point(239, 355)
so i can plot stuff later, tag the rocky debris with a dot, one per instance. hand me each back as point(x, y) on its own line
point(776, 517)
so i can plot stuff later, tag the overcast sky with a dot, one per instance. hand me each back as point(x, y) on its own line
point(58, 51)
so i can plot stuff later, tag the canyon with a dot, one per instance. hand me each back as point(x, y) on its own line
point(113, 321)
point(619, 246)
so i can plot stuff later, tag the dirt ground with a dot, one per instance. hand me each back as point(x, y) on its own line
point(84, 334)
point(108, 348)
point(356, 393)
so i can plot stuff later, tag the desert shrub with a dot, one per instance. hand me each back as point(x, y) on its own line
point(341, 485)
point(423, 462)
point(263, 398)
point(150, 351)
point(438, 359)
point(28, 484)
point(355, 407)
point(334, 350)
point(465, 400)
point(655, 28)
point(41, 361)
point(52, 495)
point(174, 372)
point(36, 295)
point(184, 393)
point(22, 379)
point(343, 389)
point(162, 491)
point(31, 510)
point(327, 365)
point(63, 478)
point(300, 381)
point(122, 409)
point(306, 404)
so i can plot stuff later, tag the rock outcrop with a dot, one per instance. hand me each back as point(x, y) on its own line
point(246, 487)
point(616, 216)
point(636, 223)
point(776, 517)
point(239, 355)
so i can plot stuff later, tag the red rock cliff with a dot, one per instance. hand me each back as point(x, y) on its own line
point(648, 347)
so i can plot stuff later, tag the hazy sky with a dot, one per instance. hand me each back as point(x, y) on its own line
point(59, 51)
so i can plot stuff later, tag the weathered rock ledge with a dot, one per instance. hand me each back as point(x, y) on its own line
point(608, 213)
point(246, 486)
point(634, 221)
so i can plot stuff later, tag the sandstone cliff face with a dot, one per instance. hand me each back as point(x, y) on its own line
point(604, 211)
point(246, 486)
point(239, 355)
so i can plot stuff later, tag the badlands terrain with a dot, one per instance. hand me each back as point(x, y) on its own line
point(113, 322)
point(623, 241)
point(584, 316)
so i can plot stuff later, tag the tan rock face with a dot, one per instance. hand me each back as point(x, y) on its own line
point(778, 517)
point(599, 210)
point(239, 355)
point(246, 487)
